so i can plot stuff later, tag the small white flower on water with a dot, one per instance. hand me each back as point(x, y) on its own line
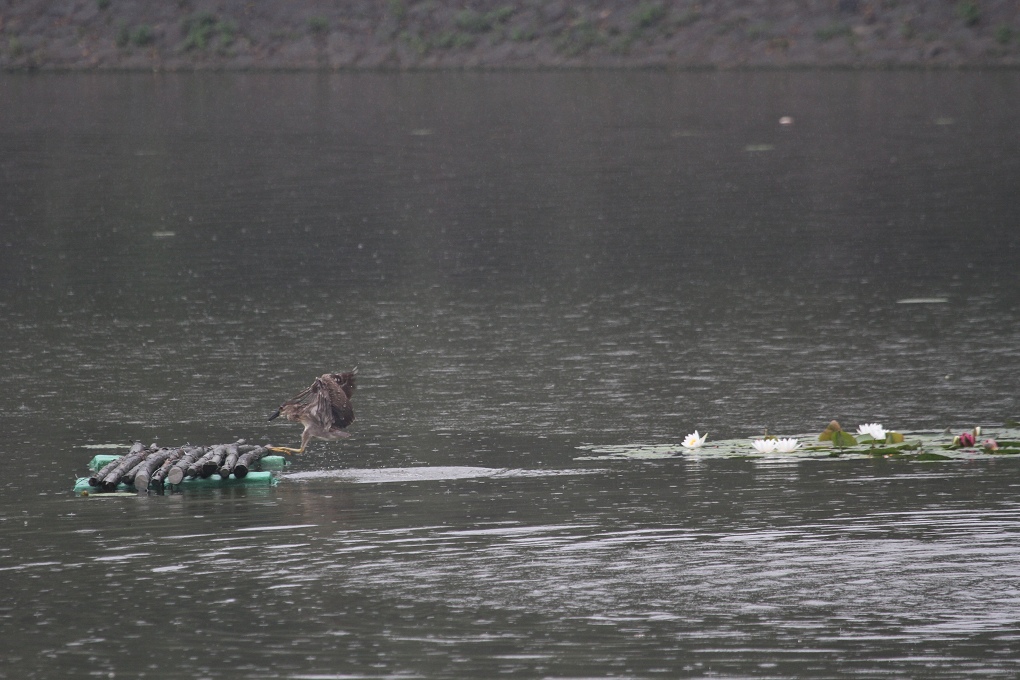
point(787, 445)
point(693, 441)
point(764, 445)
point(876, 431)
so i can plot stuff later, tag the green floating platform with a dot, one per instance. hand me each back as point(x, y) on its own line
point(213, 482)
point(262, 477)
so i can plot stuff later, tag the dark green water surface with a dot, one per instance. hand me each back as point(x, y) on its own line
point(522, 266)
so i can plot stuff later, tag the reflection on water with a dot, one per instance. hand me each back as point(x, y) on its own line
point(675, 570)
point(520, 265)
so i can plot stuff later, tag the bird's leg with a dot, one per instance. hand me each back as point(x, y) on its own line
point(305, 438)
point(284, 449)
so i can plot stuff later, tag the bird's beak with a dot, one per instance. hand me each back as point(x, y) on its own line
point(274, 414)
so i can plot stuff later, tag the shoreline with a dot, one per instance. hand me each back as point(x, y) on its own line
point(516, 35)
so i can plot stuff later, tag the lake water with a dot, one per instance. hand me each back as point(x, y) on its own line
point(521, 265)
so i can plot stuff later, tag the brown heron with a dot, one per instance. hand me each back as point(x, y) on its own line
point(324, 408)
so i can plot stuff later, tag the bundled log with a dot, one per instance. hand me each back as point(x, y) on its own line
point(96, 479)
point(143, 472)
point(246, 461)
point(214, 461)
point(179, 470)
point(195, 468)
point(129, 476)
point(153, 467)
point(159, 475)
point(111, 479)
point(229, 461)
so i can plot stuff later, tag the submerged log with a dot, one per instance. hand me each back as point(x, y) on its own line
point(96, 479)
point(246, 461)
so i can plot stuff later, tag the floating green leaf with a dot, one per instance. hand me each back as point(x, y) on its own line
point(931, 457)
point(892, 450)
point(842, 440)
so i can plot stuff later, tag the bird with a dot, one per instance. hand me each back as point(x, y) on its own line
point(324, 408)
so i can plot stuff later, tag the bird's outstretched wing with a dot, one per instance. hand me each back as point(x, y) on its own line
point(296, 406)
point(343, 412)
point(320, 408)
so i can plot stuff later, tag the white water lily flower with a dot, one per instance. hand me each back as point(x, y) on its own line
point(876, 431)
point(787, 445)
point(693, 441)
point(764, 445)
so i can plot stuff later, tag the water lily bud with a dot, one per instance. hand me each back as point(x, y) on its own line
point(991, 445)
point(966, 439)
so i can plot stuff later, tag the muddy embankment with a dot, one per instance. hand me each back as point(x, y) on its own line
point(513, 34)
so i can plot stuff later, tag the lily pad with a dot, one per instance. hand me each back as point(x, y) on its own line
point(931, 457)
point(915, 446)
point(842, 440)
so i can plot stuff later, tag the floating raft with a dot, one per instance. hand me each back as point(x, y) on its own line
point(155, 468)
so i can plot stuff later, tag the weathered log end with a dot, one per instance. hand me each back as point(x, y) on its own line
point(175, 475)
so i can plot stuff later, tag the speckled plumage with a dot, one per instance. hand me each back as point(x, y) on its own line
point(324, 408)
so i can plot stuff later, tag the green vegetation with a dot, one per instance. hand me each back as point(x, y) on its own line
point(1004, 34)
point(318, 25)
point(202, 29)
point(472, 21)
point(779, 43)
point(502, 14)
point(123, 36)
point(397, 9)
point(416, 42)
point(579, 38)
point(648, 14)
point(453, 40)
point(969, 11)
point(482, 22)
point(139, 36)
point(622, 44)
point(523, 34)
point(758, 31)
point(842, 440)
point(687, 17)
point(142, 35)
point(836, 29)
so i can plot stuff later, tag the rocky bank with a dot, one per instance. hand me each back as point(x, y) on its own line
point(511, 34)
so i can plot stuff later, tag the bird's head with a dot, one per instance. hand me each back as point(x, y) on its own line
point(346, 381)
